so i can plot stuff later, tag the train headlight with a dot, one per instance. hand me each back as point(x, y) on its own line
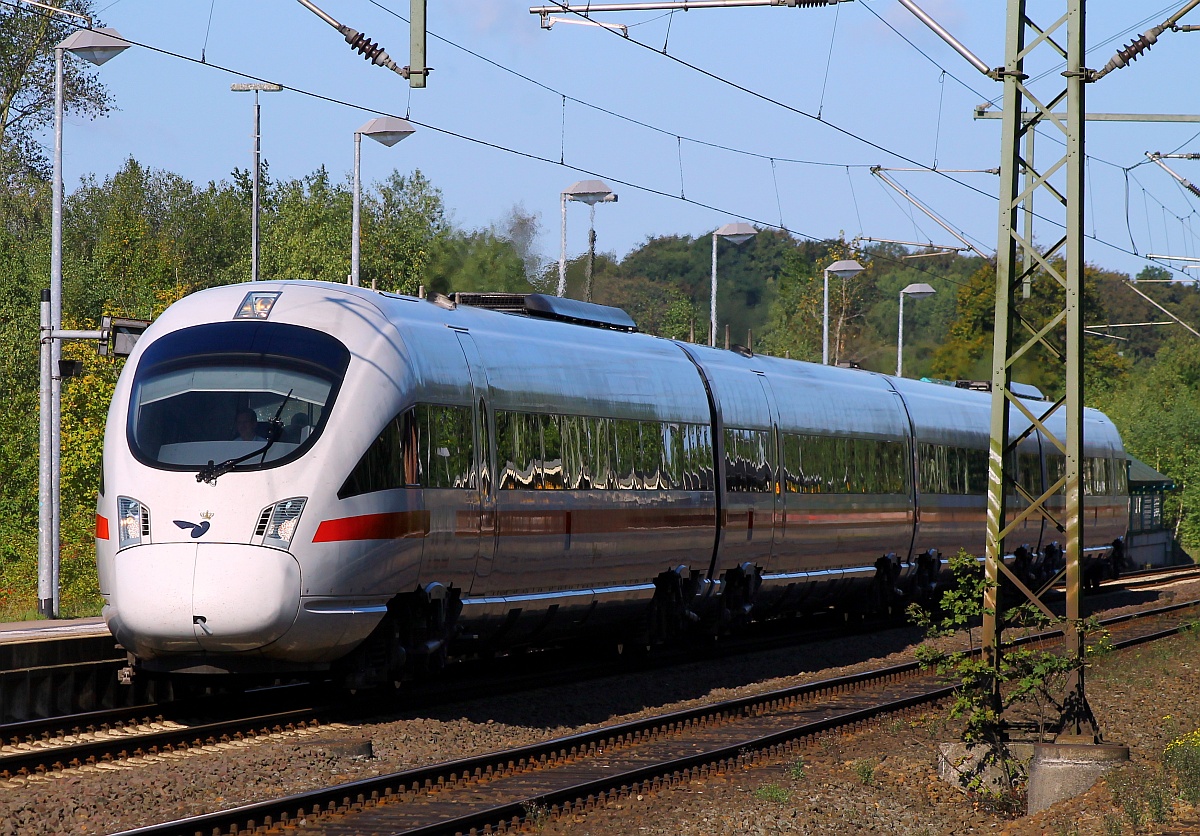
point(282, 519)
point(133, 522)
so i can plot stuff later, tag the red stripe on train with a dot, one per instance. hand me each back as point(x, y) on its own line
point(101, 527)
point(374, 527)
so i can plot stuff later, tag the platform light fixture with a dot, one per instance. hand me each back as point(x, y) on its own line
point(845, 269)
point(590, 192)
point(96, 46)
point(255, 88)
point(918, 290)
point(387, 130)
point(738, 233)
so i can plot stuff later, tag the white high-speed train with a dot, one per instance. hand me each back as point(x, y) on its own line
point(301, 476)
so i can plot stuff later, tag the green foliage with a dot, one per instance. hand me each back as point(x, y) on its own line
point(794, 319)
point(1141, 793)
point(865, 770)
point(404, 221)
point(1157, 411)
point(27, 40)
point(961, 604)
point(24, 262)
point(656, 307)
point(795, 769)
point(966, 353)
point(1182, 761)
point(987, 689)
point(304, 232)
point(85, 402)
point(747, 277)
point(773, 793)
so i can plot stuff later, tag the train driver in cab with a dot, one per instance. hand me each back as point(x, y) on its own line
point(246, 422)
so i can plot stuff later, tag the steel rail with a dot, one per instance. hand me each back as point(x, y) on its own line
point(51, 754)
point(368, 793)
point(138, 744)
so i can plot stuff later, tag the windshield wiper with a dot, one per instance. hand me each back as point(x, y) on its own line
point(211, 472)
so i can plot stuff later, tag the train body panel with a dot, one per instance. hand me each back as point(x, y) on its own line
point(415, 474)
point(576, 524)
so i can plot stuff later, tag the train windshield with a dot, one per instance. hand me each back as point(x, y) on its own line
point(212, 393)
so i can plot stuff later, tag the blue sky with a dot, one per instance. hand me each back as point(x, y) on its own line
point(847, 63)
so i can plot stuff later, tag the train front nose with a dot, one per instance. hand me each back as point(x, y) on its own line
point(174, 598)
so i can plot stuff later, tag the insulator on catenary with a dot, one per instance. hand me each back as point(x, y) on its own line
point(368, 49)
point(1130, 53)
point(1137, 47)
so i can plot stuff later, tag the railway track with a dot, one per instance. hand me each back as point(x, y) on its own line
point(42, 746)
point(56, 744)
point(499, 791)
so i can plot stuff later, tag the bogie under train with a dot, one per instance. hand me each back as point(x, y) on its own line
point(301, 476)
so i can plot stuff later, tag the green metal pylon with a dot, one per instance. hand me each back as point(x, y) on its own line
point(1061, 264)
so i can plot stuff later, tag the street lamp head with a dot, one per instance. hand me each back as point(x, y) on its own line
point(261, 87)
point(738, 233)
point(388, 130)
point(590, 192)
point(919, 290)
point(845, 269)
point(95, 45)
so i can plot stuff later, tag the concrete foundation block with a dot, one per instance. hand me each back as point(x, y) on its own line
point(962, 765)
point(1059, 771)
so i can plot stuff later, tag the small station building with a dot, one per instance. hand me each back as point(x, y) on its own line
point(1150, 541)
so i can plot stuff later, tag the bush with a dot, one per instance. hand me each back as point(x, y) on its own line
point(1182, 760)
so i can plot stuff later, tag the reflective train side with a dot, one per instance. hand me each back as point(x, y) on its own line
point(459, 475)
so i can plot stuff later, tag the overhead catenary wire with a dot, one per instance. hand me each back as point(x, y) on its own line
point(727, 148)
point(760, 222)
point(666, 132)
point(784, 105)
point(844, 131)
point(578, 168)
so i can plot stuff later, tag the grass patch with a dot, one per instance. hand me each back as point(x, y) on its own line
point(773, 793)
point(865, 770)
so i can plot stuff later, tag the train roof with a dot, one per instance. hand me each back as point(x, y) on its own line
point(542, 351)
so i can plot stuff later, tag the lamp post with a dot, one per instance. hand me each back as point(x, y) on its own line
point(388, 130)
point(843, 270)
point(590, 192)
point(256, 88)
point(95, 46)
point(919, 290)
point(738, 233)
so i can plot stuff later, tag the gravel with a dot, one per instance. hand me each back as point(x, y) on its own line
point(880, 780)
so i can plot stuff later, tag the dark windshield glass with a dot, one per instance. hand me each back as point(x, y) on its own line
point(208, 393)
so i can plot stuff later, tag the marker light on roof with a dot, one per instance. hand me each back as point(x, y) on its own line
point(257, 305)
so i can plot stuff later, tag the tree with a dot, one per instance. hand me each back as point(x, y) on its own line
point(794, 318)
point(500, 258)
point(967, 351)
point(1158, 414)
point(305, 230)
point(1126, 306)
point(658, 308)
point(894, 267)
point(24, 271)
point(404, 223)
point(27, 40)
point(479, 261)
point(748, 276)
